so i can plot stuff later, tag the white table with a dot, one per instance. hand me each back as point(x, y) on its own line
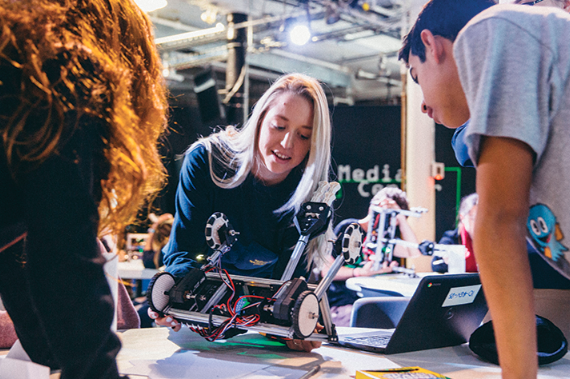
point(159, 353)
point(386, 284)
point(135, 270)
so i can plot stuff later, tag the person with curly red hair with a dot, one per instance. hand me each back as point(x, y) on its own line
point(82, 105)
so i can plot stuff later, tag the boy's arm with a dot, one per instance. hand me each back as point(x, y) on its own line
point(504, 173)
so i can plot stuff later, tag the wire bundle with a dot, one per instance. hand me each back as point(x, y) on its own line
point(212, 333)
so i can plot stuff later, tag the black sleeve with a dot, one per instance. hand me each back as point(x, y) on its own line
point(450, 237)
point(438, 264)
point(67, 284)
point(194, 205)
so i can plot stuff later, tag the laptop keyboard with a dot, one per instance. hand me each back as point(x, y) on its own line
point(376, 341)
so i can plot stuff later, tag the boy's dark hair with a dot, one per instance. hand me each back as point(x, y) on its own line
point(443, 18)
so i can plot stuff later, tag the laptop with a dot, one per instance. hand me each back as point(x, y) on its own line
point(444, 311)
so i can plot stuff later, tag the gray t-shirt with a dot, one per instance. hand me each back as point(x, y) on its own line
point(514, 66)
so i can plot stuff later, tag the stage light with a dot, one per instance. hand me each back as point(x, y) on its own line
point(151, 5)
point(300, 35)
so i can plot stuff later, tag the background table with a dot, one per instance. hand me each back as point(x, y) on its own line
point(135, 270)
point(385, 284)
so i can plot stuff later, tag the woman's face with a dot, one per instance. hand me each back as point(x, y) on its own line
point(284, 137)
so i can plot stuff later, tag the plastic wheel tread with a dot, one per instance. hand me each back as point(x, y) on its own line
point(157, 292)
point(213, 225)
point(352, 240)
point(305, 314)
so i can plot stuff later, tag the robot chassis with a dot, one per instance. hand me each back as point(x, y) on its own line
point(380, 236)
point(208, 300)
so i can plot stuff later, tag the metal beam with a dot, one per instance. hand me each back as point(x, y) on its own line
point(333, 75)
point(193, 38)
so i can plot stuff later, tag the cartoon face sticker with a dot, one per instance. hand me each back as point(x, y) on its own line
point(545, 231)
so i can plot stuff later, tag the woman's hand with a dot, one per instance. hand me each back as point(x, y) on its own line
point(302, 345)
point(299, 345)
point(164, 321)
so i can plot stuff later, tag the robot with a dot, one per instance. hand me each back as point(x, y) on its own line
point(217, 305)
point(380, 237)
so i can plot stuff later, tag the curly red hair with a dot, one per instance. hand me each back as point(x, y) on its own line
point(112, 38)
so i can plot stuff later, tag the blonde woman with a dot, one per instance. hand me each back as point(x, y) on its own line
point(258, 176)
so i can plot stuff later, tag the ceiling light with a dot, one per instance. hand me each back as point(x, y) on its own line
point(300, 35)
point(151, 5)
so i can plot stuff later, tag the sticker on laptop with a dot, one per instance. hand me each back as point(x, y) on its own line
point(461, 295)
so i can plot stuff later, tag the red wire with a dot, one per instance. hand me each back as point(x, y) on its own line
point(241, 297)
point(235, 320)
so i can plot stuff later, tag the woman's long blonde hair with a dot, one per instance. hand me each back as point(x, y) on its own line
point(109, 70)
point(235, 150)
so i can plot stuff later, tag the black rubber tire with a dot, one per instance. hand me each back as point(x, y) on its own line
point(156, 293)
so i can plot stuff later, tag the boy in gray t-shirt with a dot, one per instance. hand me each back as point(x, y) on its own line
point(507, 69)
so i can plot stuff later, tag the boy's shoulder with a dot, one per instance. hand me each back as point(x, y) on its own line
point(502, 11)
point(513, 25)
point(525, 17)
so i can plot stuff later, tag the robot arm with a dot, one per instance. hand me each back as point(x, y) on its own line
point(313, 219)
point(381, 234)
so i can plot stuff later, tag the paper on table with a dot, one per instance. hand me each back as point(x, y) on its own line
point(16, 369)
point(190, 365)
point(18, 352)
point(17, 365)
